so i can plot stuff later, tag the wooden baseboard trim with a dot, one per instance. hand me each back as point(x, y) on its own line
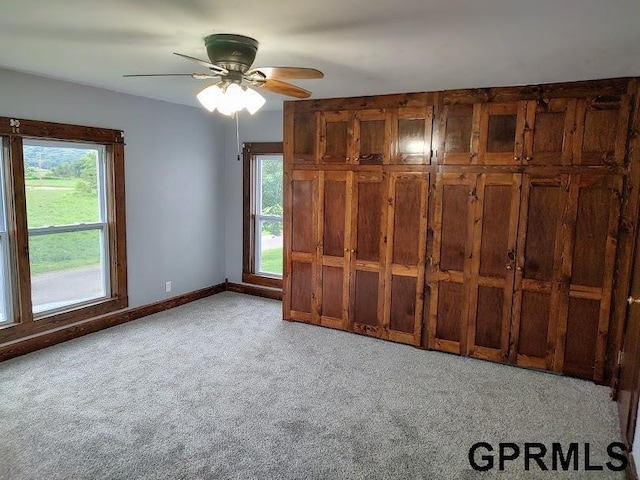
point(51, 337)
point(256, 290)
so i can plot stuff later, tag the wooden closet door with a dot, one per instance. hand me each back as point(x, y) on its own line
point(406, 250)
point(601, 130)
point(335, 137)
point(367, 252)
point(548, 138)
point(450, 261)
point(305, 136)
point(493, 265)
point(458, 130)
point(371, 137)
point(594, 211)
point(501, 133)
point(541, 264)
point(300, 242)
point(334, 220)
point(411, 135)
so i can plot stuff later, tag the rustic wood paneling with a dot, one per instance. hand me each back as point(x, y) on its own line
point(581, 336)
point(451, 303)
point(333, 239)
point(403, 304)
point(366, 301)
point(369, 221)
point(304, 137)
point(302, 204)
point(488, 331)
point(455, 212)
point(332, 290)
point(301, 287)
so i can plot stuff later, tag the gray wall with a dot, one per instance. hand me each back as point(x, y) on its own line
point(175, 174)
point(262, 127)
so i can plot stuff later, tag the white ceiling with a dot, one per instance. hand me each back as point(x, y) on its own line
point(364, 47)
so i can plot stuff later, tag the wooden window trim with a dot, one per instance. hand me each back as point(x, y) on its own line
point(248, 206)
point(13, 131)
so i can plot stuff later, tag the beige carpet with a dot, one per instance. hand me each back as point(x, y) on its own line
point(222, 388)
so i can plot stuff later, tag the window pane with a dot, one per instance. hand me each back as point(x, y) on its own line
point(61, 182)
point(66, 268)
point(270, 259)
point(270, 185)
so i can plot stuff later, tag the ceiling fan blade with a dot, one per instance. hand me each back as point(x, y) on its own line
point(287, 72)
point(215, 68)
point(284, 88)
point(197, 76)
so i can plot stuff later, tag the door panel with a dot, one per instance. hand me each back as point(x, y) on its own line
point(629, 382)
point(406, 250)
point(594, 211)
point(600, 138)
point(412, 133)
point(304, 137)
point(367, 255)
point(540, 295)
point(336, 132)
point(450, 270)
point(501, 133)
point(493, 265)
point(301, 246)
point(371, 135)
point(548, 140)
point(458, 132)
point(335, 235)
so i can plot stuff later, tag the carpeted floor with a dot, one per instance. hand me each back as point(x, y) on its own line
point(222, 388)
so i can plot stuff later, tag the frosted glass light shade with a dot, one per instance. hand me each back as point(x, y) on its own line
point(210, 96)
point(253, 100)
point(230, 98)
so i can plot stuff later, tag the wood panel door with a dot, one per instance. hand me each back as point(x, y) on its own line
point(367, 252)
point(449, 270)
point(300, 242)
point(550, 126)
point(493, 265)
point(501, 133)
point(411, 129)
point(601, 130)
point(541, 263)
point(335, 137)
point(406, 250)
point(589, 255)
point(628, 386)
point(334, 232)
point(305, 142)
point(371, 137)
point(458, 132)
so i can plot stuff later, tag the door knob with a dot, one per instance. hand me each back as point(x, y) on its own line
point(632, 300)
point(509, 267)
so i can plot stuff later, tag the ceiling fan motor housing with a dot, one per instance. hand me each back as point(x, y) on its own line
point(233, 52)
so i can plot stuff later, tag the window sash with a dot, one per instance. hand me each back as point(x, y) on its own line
point(259, 218)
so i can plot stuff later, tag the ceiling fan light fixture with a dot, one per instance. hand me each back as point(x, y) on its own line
point(210, 97)
point(253, 100)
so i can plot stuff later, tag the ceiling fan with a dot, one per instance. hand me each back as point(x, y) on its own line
point(231, 57)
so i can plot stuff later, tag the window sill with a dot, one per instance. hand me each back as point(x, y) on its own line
point(44, 322)
point(262, 280)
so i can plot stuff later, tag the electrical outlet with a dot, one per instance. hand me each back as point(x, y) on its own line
point(167, 287)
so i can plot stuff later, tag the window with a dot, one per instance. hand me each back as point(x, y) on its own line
point(263, 210)
point(67, 223)
point(62, 231)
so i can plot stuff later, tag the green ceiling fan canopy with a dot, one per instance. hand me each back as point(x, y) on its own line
point(233, 52)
